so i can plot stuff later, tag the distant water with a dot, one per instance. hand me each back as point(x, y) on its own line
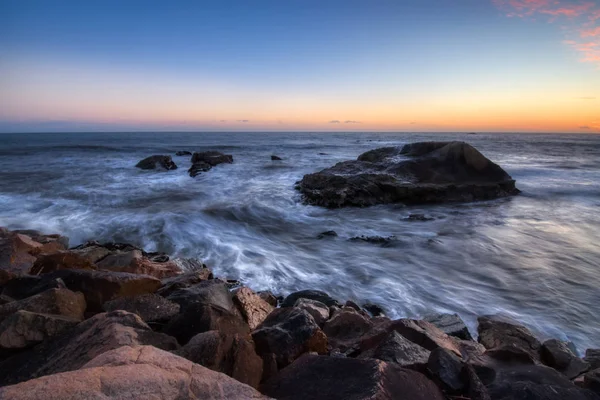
point(535, 257)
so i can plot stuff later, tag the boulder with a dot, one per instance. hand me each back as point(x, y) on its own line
point(268, 297)
point(54, 301)
point(60, 260)
point(15, 251)
point(418, 173)
point(98, 287)
point(77, 346)
point(214, 292)
point(142, 372)
point(558, 355)
point(25, 286)
point(135, 262)
point(318, 310)
point(396, 349)
point(495, 332)
point(288, 333)
point(25, 329)
point(203, 317)
point(253, 308)
point(374, 310)
point(332, 378)
point(5, 276)
point(591, 381)
point(592, 357)
point(212, 158)
point(450, 324)
point(157, 162)
point(183, 153)
point(446, 369)
point(150, 307)
point(185, 280)
point(275, 158)
point(345, 329)
point(198, 168)
point(232, 355)
point(317, 295)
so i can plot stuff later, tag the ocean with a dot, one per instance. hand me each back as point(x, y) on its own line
point(534, 257)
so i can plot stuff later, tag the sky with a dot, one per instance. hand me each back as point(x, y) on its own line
point(300, 65)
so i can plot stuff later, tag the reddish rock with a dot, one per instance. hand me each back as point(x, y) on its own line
point(396, 349)
point(61, 260)
point(332, 378)
point(151, 307)
point(141, 372)
point(233, 355)
point(318, 310)
point(54, 301)
point(185, 280)
point(15, 251)
point(268, 297)
point(495, 332)
point(253, 308)
point(345, 329)
point(24, 329)
point(77, 346)
point(135, 262)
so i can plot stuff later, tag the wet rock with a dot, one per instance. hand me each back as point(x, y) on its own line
point(419, 218)
point(27, 285)
point(470, 349)
point(54, 301)
point(327, 234)
point(374, 309)
point(275, 158)
point(345, 329)
point(50, 243)
point(98, 287)
point(318, 310)
point(396, 349)
point(476, 390)
point(197, 318)
point(25, 329)
point(151, 308)
point(77, 346)
point(446, 368)
point(435, 172)
point(317, 295)
point(333, 378)
point(288, 333)
point(61, 260)
point(183, 153)
point(15, 252)
point(212, 158)
point(497, 332)
point(253, 308)
point(592, 357)
point(450, 324)
point(135, 262)
point(425, 335)
point(233, 355)
point(558, 355)
point(511, 354)
point(157, 162)
point(198, 168)
point(214, 292)
point(269, 297)
point(185, 280)
point(591, 381)
point(141, 372)
point(374, 239)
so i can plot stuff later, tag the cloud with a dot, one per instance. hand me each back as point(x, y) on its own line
point(243, 120)
point(351, 122)
point(584, 127)
point(579, 19)
point(334, 121)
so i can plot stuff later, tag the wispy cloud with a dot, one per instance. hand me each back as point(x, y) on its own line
point(579, 19)
point(243, 120)
point(334, 121)
point(351, 122)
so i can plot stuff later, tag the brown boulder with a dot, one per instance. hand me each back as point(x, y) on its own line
point(345, 329)
point(141, 372)
point(332, 378)
point(185, 280)
point(60, 260)
point(75, 347)
point(233, 355)
point(214, 292)
point(268, 297)
point(151, 307)
point(318, 310)
point(396, 349)
point(253, 308)
point(135, 262)
point(15, 249)
point(495, 332)
point(54, 301)
point(24, 329)
point(288, 333)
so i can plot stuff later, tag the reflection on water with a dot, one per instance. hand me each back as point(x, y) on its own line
point(535, 256)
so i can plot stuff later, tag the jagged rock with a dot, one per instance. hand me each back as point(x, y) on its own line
point(54, 301)
point(212, 158)
point(318, 310)
point(446, 368)
point(212, 291)
point(396, 349)
point(150, 307)
point(135, 262)
point(185, 280)
point(288, 333)
point(15, 251)
point(98, 287)
point(275, 158)
point(141, 372)
point(203, 317)
point(374, 309)
point(333, 378)
point(233, 355)
point(253, 308)
point(317, 295)
point(345, 329)
point(268, 297)
point(199, 167)
point(495, 332)
point(157, 162)
point(75, 347)
point(476, 390)
point(434, 172)
point(558, 355)
point(24, 329)
point(450, 324)
point(61, 260)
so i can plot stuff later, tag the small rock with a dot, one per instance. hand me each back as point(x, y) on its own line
point(157, 162)
point(317, 295)
point(450, 324)
point(558, 355)
point(275, 158)
point(351, 304)
point(150, 307)
point(374, 239)
point(327, 234)
point(24, 329)
point(253, 308)
point(318, 310)
point(419, 217)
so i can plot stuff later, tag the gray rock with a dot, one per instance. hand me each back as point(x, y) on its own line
point(318, 310)
point(450, 324)
point(157, 162)
point(558, 355)
point(396, 349)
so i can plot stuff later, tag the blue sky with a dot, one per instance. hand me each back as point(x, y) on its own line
point(298, 65)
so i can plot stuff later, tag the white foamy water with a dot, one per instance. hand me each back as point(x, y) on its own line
point(535, 256)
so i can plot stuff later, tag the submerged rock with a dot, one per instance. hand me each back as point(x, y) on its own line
point(434, 172)
point(327, 234)
point(204, 161)
point(373, 239)
point(183, 153)
point(157, 162)
point(275, 158)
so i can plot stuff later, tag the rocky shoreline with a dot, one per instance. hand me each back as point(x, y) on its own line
point(113, 321)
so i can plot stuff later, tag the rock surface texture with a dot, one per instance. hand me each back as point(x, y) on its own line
point(157, 162)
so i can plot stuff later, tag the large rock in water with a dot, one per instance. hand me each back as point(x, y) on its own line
point(418, 173)
point(141, 372)
point(157, 162)
point(205, 160)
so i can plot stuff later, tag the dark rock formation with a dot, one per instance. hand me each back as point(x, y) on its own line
point(374, 239)
point(25, 329)
point(558, 355)
point(434, 172)
point(151, 308)
point(157, 162)
point(327, 234)
point(183, 153)
point(54, 301)
point(446, 368)
point(185, 280)
point(198, 168)
point(318, 310)
point(592, 357)
point(317, 295)
point(275, 158)
point(204, 161)
point(496, 332)
point(450, 324)
point(396, 349)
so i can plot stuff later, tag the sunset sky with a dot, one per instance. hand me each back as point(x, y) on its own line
point(419, 65)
